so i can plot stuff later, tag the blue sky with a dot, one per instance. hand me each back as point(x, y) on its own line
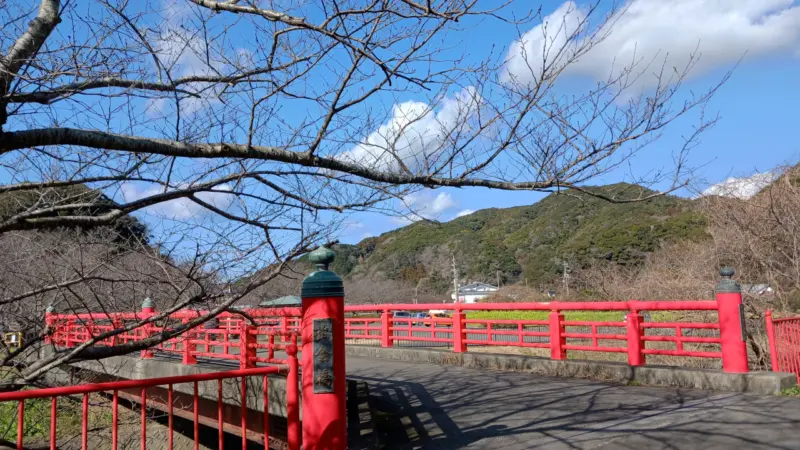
point(756, 106)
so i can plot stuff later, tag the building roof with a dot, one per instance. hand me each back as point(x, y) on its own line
point(476, 287)
point(757, 289)
point(288, 300)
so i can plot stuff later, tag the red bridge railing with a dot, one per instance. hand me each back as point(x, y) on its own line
point(147, 392)
point(784, 344)
point(234, 338)
point(638, 333)
point(251, 337)
point(696, 329)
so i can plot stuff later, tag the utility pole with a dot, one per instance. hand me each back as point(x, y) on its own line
point(416, 293)
point(497, 272)
point(455, 279)
point(566, 277)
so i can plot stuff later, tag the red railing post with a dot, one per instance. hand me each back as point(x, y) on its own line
point(557, 339)
point(284, 321)
point(732, 334)
point(458, 332)
point(271, 347)
point(49, 324)
point(633, 322)
point(324, 384)
point(247, 349)
point(67, 333)
point(148, 310)
point(386, 331)
point(292, 400)
point(773, 348)
point(189, 348)
point(116, 324)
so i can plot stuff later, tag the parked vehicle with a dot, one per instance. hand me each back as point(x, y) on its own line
point(401, 315)
point(422, 315)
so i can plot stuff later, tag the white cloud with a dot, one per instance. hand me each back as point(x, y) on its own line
point(429, 206)
point(415, 133)
point(465, 212)
point(425, 205)
point(353, 225)
point(182, 54)
point(541, 45)
point(352, 228)
point(742, 188)
point(181, 208)
point(722, 31)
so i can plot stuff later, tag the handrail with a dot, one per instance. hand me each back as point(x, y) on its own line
point(183, 314)
point(634, 305)
point(635, 333)
point(128, 389)
point(131, 384)
point(786, 319)
point(783, 337)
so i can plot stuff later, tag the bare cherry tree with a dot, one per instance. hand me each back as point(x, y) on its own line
point(248, 131)
point(758, 235)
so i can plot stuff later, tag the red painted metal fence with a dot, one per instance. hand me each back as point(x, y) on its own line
point(714, 338)
point(139, 390)
point(233, 339)
point(784, 344)
point(696, 329)
point(646, 328)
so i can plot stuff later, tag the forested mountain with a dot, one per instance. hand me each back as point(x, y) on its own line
point(533, 243)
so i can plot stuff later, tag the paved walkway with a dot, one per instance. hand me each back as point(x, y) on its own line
point(453, 407)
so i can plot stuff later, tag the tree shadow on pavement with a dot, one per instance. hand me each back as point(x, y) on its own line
point(429, 406)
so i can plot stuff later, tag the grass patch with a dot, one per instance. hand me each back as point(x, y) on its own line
point(37, 416)
point(793, 391)
point(594, 316)
point(583, 316)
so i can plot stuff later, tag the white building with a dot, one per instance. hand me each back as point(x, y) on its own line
point(757, 289)
point(473, 292)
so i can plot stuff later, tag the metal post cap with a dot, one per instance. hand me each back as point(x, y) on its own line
point(148, 303)
point(322, 257)
point(323, 282)
point(727, 284)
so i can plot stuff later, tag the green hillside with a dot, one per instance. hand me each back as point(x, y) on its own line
point(527, 242)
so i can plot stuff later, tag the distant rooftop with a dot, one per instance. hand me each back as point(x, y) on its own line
point(757, 289)
point(476, 288)
point(285, 301)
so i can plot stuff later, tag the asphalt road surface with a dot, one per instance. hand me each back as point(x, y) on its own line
point(433, 406)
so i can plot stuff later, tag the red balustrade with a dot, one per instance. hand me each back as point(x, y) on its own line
point(712, 329)
point(635, 334)
point(275, 330)
point(232, 339)
point(717, 336)
point(147, 392)
point(784, 344)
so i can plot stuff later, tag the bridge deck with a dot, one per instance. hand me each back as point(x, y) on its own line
point(455, 407)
